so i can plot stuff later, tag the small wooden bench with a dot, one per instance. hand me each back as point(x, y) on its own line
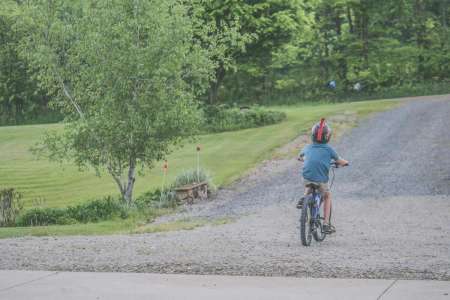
point(192, 191)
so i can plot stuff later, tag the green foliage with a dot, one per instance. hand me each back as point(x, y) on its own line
point(10, 206)
point(94, 211)
point(225, 24)
point(405, 90)
point(271, 25)
point(21, 99)
point(167, 198)
point(216, 51)
point(42, 216)
point(220, 118)
point(147, 199)
point(126, 76)
point(157, 198)
point(194, 176)
point(299, 46)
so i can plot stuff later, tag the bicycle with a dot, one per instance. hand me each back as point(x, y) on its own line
point(311, 219)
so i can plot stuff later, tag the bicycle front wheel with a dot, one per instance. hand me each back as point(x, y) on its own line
point(318, 233)
point(305, 222)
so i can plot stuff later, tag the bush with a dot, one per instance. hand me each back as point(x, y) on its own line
point(94, 211)
point(97, 210)
point(406, 89)
point(10, 206)
point(157, 198)
point(220, 118)
point(167, 197)
point(42, 217)
point(193, 176)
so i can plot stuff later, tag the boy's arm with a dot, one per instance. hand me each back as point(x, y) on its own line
point(342, 162)
point(337, 159)
point(301, 154)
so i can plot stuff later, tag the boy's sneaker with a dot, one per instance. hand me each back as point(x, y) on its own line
point(300, 203)
point(328, 229)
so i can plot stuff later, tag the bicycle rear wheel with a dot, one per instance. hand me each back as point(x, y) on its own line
point(305, 222)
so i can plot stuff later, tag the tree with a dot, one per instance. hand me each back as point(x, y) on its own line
point(126, 74)
point(225, 21)
point(20, 96)
point(274, 24)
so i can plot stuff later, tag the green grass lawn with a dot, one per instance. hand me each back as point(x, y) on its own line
point(118, 226)
point(226, 155)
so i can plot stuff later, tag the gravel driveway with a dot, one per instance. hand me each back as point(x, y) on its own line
point(391, 211)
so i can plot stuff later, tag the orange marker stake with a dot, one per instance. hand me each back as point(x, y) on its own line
point(163, 185)
point(198, 163)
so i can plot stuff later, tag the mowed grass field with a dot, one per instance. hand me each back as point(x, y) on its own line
point(226, 155)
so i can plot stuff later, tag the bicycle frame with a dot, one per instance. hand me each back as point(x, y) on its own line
point(317, 197)
point(316, 204)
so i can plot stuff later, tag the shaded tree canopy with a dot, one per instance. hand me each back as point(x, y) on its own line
point(268, 49)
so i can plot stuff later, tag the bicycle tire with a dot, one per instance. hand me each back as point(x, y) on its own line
point(331, 211)
point(305, 222)
point(320, 238)
point(318, 233)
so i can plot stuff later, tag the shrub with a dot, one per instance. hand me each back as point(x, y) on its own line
point(93, 211)
point(10, 206)
point(42, 217)
point(157, 198)
point(219, 118)
point(97, 210)
point(167, 197)
point(193, 176)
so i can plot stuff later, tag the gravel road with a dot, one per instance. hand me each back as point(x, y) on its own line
point(391, 211)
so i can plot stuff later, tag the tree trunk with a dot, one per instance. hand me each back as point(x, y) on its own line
point(420, 37)
point(337, 21)
point(128, 191)
point(342, 62)
point(117, 178)
point(126, 186)
point(444, 10)
point(349, 19)
point(365, 35)
point(215, 85)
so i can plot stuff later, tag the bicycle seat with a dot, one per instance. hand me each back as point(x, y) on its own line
point(313, 186)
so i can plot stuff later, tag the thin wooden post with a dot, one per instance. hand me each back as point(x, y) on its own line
point(163, 185)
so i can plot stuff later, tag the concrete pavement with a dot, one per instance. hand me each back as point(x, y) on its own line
point(70, 285)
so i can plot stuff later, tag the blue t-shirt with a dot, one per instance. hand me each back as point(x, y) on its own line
point(317, 161)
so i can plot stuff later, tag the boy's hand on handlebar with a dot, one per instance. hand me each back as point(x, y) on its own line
point(342, 162)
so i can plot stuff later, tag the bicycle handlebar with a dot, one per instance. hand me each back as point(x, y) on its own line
point(332, 164)
point(336, 165)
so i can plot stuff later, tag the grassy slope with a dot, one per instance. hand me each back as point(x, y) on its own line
point(227, 155)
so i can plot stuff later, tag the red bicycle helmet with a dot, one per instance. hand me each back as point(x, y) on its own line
point(321, 132)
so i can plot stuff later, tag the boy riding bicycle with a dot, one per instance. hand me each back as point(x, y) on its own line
point(317, 158)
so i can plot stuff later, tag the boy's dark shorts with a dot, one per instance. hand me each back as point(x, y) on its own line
point(323, 186)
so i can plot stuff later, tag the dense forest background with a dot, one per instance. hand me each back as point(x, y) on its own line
point(278, 51)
